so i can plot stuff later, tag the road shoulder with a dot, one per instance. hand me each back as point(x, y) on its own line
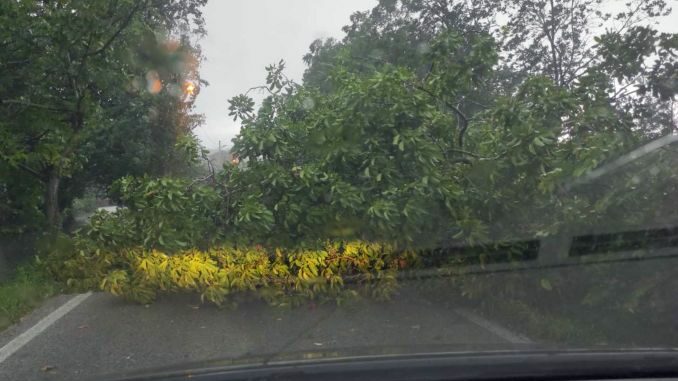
point(33, 317)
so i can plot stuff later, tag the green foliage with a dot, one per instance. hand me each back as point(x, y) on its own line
point(397, 33)
point(84, 103)
point(327, 164)
point(318, 160)
point(20, 198)
point(85, 204)
point(427, 127)
point(430, 127)
point(333, 271)
point(29, 286)
point(166, 213)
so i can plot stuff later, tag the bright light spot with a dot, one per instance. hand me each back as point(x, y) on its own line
point(153, 84)
point(189, 88)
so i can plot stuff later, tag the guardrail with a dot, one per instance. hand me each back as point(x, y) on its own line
point(558, 252)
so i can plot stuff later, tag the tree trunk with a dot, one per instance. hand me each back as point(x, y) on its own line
point(52, 199)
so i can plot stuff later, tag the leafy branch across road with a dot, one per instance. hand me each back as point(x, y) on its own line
point(431, 124)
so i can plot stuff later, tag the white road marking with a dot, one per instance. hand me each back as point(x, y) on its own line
point(23, 339)
point(492, 327)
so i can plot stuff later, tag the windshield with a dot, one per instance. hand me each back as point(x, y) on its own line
point(190, 181)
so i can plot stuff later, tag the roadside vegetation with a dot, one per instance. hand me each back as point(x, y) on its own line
point(427, 126)
point(24, 291)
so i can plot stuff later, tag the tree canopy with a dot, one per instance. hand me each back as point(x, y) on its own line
point(91, 91)
point(431, 122)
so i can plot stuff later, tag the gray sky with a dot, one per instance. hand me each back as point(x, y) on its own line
point(243, 36)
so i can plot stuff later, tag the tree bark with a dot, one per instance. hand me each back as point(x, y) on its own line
point(52, 199)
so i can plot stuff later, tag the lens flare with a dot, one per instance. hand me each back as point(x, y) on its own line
point(153, 84)
point(189, 88)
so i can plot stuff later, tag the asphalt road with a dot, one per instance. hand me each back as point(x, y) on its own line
point(99, 334)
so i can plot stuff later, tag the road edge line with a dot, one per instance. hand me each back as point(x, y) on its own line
point(496, 329)
point(24, 338)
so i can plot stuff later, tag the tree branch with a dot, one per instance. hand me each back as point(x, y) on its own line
point(462, 118)
point(122, 27)
point(36, 105)
point(623, 88)
point(32, 171)
point(581, 66)
point(35, 139)
point(200, 180)
point(550, 36)
point(475, 155)
point(477, 103)
point(464, 152)
point(20, 62)
point(261, 88)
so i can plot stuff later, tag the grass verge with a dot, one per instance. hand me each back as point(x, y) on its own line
point(26, 290)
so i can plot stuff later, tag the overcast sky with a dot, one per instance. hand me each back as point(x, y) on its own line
point(243, 36)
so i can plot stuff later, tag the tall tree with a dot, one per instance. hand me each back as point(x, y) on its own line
point(567, 39)
point(68, 81)
point(398, 33)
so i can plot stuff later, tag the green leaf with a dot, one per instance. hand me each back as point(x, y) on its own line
point(396, 138)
